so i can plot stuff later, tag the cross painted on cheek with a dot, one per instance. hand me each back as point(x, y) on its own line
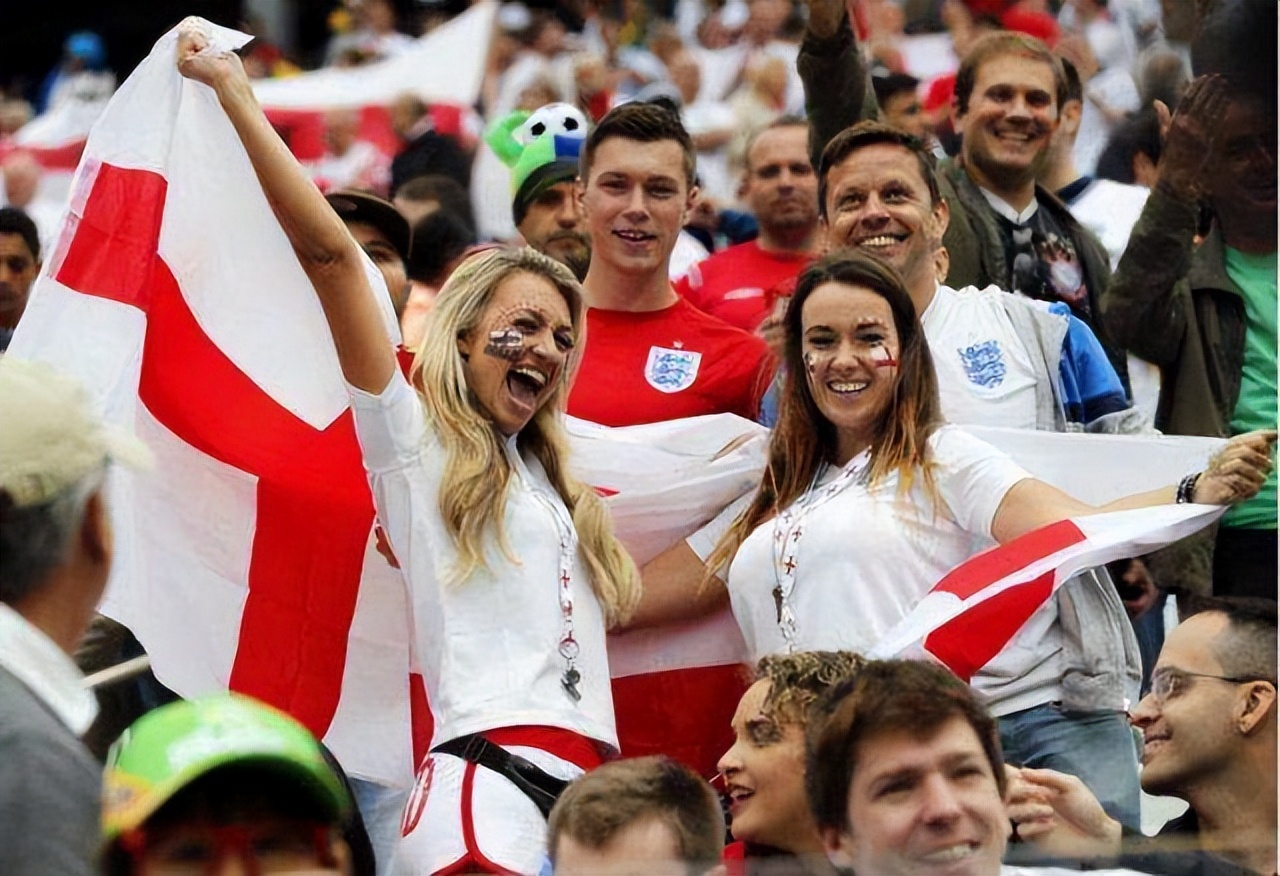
point(882, 356)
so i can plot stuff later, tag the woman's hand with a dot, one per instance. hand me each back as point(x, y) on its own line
point(200, 61)
point(1237, 471)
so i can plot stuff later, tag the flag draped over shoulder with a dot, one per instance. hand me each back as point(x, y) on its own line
point(244, 560)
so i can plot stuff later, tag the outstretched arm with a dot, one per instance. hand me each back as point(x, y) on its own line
point(1234, 474)
point(327, 252)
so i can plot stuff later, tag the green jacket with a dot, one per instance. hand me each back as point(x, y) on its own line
point(1173, 304)
point(838, 94)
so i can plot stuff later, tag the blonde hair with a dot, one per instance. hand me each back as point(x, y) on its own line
point(473, 490)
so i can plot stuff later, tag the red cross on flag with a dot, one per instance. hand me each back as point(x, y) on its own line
point(245, 559)
point(979, 606)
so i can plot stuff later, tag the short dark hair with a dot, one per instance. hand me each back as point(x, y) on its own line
point(1075, 91)
point(999, 44)
point(1237, 40)
point(907, 697)
point(439, 239)
point(645, 123)
point(869, 133)
point(16, 221)
point(1139, 133)
point(608, 799)
point(444, 190)
point(892, 84)
point(1247, 648)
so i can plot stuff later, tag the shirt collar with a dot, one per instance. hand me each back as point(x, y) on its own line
point(36, 661)
point(1002, 207)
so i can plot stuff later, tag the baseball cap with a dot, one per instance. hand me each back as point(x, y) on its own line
point(50, 436)
point(170, 747)
point(355, 206)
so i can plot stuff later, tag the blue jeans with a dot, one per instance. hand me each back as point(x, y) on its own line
point(381, 808)
point(1098, 747)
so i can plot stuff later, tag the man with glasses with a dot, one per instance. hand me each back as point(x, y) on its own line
point(1209, 729)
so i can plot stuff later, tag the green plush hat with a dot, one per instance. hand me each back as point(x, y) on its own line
point(170, 747)
point(541, 148)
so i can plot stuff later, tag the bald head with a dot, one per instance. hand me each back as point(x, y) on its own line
point(21, 174)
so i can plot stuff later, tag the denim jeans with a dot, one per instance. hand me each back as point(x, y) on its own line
point(381, 808)
point(1099, 747)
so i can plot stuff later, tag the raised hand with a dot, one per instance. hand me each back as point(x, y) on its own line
point(198, 60)
point(825, 17)
point(1191, 136)
point(1238, 470)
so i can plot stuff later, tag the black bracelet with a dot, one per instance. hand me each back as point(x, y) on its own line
point(1187, 488)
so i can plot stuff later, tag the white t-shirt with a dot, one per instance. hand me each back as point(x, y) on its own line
point(985, 376)
point(866, 557)
point(488, 644)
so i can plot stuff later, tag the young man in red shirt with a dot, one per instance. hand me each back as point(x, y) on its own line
point(650, 355)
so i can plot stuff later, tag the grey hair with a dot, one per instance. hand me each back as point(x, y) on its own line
point(35, 540)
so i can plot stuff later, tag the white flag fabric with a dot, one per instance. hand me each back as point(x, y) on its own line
point(446, 65)
point(244, 559)
point(973, 612)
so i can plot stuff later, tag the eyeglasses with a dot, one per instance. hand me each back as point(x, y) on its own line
point(1168, 683)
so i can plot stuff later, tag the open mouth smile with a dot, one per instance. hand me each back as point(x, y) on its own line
point(526, 384)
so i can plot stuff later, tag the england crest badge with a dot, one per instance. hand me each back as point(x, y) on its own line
point(984, 363)
point(671, 370)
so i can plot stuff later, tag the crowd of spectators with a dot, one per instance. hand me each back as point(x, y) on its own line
point(863, 225)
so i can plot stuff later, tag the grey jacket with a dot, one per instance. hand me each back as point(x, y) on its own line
point(50, 790)
point(1102, 666)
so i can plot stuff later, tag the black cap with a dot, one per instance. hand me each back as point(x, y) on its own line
point(353, 206)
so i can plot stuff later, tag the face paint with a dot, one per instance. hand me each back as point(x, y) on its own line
point(882, 356)
point(507, 343)
point(520, 325)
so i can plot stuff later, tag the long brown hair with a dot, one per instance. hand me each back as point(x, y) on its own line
point(804, 439)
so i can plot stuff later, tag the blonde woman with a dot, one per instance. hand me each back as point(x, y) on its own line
point(512, 567)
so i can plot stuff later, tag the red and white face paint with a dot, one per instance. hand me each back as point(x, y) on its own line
point(850, 350)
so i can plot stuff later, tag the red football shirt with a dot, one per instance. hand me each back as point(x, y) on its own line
point(665, 365)
point(733, 284)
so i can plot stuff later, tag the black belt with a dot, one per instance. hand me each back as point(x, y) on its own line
point(535, 783)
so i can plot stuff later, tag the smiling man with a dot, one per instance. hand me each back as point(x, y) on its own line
point(650, 355)
point(1004, 230)
point(1202, 306)
point(905, 775)
point(1209, 729)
